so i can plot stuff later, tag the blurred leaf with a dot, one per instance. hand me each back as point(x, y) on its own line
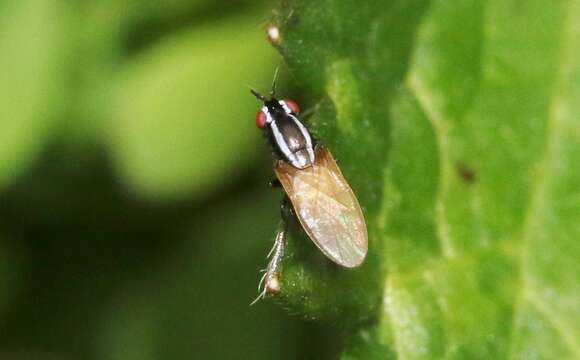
point(10, 276)
point(183, 119)
point(457, 124)
point(160, 8)
point(199, 306)
point(31, 86)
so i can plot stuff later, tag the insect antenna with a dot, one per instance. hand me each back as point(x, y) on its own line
point(258, 95)
point(273, 91)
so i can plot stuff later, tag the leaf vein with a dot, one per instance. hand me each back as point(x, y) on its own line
point(427, 106)
point(539, 197)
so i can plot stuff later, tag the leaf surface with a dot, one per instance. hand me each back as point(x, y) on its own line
point(457, 124)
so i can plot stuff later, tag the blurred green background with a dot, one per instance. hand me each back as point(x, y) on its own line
point(134, 207)
point(134, 212)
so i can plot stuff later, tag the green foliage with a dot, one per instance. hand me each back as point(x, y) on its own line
point(156, 318)
point(175, 102)
point(456, 124)
point(31, 82)
point(121, 124)
point(155, 98)
point(454, 121)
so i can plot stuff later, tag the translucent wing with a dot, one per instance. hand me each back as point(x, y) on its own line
point(327, 208)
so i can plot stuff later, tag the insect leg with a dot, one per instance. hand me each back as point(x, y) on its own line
point(287, 210)
point(306, 114)
point(269, 283)
point(274, 183)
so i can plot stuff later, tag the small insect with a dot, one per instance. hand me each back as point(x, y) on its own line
point(316, 192)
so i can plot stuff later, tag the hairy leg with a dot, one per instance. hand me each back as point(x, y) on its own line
point(270, 282)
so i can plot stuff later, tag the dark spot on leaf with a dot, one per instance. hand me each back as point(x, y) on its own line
point(466, 173)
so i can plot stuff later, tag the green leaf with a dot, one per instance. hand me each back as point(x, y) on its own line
point(31, 86)
point(456, 123)
point(182, 122)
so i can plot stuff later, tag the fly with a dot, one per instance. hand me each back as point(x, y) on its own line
point(316, 192)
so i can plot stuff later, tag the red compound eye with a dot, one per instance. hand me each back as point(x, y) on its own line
point(260, 119)
point(292, 105)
